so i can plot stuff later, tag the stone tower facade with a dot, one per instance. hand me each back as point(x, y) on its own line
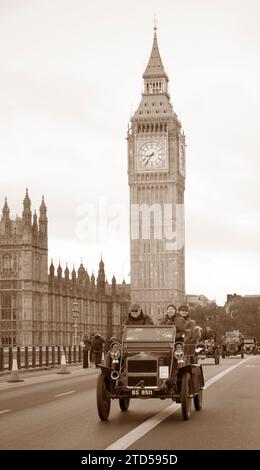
point(24, 275)
point(156, 177)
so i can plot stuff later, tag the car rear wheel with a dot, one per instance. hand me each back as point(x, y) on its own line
point(103, 398)
point(186, 395)
point(198, 401)
point(124, 403)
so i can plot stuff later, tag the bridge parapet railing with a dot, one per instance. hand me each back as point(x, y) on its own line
point(38, 356)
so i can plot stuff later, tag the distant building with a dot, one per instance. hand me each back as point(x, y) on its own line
point(234, 301)
point(36, 306)
point(198, 301)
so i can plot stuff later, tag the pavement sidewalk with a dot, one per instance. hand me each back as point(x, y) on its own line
point(42, 371)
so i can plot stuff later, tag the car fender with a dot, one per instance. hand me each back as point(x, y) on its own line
point(197, 377)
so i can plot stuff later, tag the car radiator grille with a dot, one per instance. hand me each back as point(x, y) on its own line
point(134, 381)
point(142, 373)
point(141, 366)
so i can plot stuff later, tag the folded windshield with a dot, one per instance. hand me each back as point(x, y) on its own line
point(152, 333)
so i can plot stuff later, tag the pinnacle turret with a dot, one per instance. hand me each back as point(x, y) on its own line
point(6, 211)
point(27, 213)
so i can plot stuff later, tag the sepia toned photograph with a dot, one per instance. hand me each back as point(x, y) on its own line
point(129, 228)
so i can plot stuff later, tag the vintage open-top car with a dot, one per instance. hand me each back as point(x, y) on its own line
point(150, 362)
point(209, 349)
point(233, 344)
point(250, 345)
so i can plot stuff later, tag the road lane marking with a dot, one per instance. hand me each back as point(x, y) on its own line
point(66, 393)
point(224, 372)
point(128, 439)
point(4, 411)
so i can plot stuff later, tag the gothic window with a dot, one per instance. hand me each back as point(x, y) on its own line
point(7, 262)
point(6, 305)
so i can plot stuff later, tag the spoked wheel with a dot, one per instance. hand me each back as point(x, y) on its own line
point(185, 395)
point(124, 403)
point(103, 399)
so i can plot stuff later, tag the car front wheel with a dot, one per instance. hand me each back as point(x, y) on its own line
point(186, 395)
point(103, 398)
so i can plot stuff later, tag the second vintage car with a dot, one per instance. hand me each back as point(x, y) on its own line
point(209, 349)
point(233, 344)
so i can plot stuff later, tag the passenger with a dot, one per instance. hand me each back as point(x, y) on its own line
point(199, 332)
point(185, 323)
point(136, 316)
point(185, 327)
point(169, 316)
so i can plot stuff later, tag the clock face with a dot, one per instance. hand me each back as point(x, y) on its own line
point(151, 156)
point(182, 161)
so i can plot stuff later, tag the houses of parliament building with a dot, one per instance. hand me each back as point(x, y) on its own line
point(37, 302)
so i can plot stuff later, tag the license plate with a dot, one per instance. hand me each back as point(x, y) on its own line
point(142, 393)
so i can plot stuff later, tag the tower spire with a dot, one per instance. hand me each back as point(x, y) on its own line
point(27, 213)
point(5, 211)
point(155, 68)
point(43, 221)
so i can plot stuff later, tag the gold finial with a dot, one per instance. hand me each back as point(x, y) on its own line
point(155, 23)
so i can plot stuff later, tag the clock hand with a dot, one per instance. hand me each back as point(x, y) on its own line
point(148, 157)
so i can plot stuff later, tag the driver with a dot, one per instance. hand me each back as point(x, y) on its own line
point(136, 316)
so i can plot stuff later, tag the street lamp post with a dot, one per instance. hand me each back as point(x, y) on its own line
point(75, 315)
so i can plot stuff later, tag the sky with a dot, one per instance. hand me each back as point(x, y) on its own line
point(70, 79)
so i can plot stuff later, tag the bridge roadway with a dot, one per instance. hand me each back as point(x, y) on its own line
point(51, 411)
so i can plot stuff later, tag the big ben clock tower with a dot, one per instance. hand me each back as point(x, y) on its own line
point(156, 177)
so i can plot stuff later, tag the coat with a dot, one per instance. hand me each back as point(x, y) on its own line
point(141, 320)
